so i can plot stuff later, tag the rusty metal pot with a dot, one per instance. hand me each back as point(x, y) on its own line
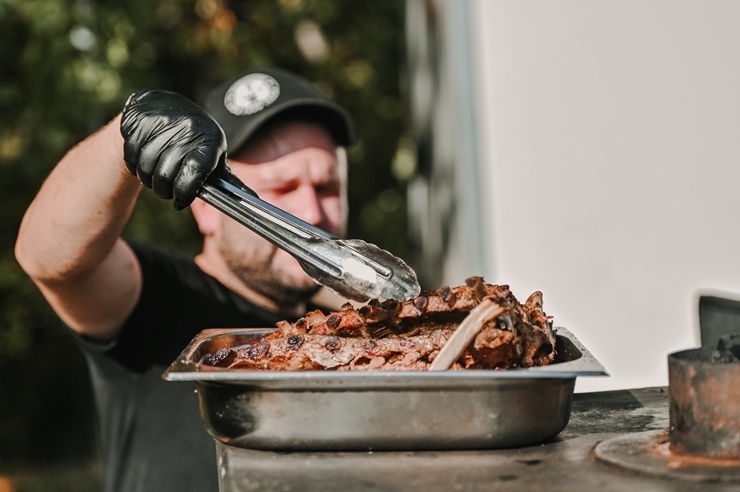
point(704, 397)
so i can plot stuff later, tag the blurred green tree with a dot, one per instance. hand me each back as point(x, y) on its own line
point(67, 68)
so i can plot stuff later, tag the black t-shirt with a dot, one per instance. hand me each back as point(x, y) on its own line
point(150, 432)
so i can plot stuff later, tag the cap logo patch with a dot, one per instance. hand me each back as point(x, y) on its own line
point(251, 94)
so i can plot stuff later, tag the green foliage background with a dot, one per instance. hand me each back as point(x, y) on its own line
point(67, 66)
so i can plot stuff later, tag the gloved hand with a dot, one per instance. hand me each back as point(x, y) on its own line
point(171, 144)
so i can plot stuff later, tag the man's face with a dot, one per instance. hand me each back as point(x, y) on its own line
point(296, 168)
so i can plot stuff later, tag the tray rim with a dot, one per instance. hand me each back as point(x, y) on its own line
point(184, 369)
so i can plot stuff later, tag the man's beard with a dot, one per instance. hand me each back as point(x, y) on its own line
point(260, 274)
point(271, 286)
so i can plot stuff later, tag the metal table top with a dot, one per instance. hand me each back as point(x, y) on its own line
point(566, 463)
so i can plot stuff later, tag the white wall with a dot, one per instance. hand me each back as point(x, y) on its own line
point(610, 148)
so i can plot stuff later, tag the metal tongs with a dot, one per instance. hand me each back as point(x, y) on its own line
point(353, 268)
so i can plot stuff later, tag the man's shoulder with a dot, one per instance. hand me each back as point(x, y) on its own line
point(148, 251)
point(163, 267)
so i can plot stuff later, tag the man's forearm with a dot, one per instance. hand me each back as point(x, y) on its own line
point(80, 210)
point(69, 241)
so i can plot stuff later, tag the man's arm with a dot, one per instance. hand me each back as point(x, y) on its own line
point(69, 241)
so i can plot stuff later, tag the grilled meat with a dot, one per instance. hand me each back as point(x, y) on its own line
point(388, 335)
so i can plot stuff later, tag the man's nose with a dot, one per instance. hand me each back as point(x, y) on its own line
point(308, 206)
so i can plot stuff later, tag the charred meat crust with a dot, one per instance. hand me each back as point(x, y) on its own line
point(390, 335)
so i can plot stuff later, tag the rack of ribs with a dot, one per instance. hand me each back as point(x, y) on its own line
point(390, 335)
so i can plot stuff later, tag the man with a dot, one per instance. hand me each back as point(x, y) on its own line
point(133, 307)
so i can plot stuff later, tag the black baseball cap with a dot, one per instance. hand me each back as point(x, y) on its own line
point(245, 103)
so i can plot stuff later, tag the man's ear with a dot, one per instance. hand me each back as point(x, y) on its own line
point(207, 217)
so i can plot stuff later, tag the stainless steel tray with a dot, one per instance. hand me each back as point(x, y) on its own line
point(406, 410)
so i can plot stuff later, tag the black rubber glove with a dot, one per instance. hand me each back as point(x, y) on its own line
point(171, 144)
